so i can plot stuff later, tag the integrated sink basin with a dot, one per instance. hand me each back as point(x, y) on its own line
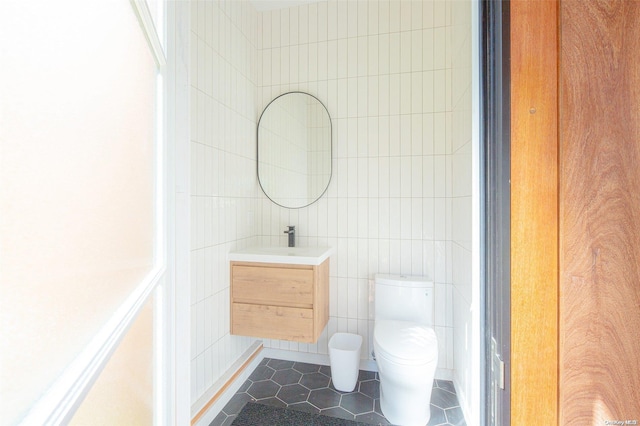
point(287, 255)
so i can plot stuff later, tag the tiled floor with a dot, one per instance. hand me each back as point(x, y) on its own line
point(308, 387)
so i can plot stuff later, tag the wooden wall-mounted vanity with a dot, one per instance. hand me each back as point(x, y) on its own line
point(279, 301)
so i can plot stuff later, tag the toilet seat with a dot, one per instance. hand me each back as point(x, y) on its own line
point(404, 342)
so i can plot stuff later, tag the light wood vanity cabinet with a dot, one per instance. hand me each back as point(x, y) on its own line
point(279, 301)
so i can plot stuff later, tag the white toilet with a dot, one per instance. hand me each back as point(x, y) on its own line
point(406, 347)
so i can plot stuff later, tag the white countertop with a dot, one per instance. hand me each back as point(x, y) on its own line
point(290, 255)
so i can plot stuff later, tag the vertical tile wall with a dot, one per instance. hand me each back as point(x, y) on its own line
point(384, 71)
point(224, 187)
point(319, 159)
point(461, 39)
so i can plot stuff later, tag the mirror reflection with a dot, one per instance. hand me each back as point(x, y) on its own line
point(294, 150)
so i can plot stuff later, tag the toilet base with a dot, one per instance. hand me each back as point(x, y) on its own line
point(414, 412)
point(405, 392)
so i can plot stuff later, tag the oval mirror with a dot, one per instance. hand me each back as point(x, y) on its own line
point(294, 150)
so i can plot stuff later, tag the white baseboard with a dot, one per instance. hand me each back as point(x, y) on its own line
point(205, 409)
point(311, 358)
point(444, 374)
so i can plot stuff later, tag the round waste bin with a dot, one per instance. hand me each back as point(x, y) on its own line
point(344, 355)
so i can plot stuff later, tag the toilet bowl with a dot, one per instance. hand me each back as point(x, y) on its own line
point(407, 356)
point(406, 347)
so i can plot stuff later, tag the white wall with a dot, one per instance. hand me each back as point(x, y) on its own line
point(464, 363)
point(394, 79)
point(384, 69)
point(224, 186)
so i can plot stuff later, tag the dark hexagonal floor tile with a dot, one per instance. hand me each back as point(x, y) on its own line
point(308, 387)
point(372, 418)
point(376, 407)
point(357, 403)
point(338, 412)
point(331, 386)
point(236, 403)
point(280, 364)
point(314, 381)
point(293, 393)
point(261, 372)
point(324, 398)
point(219, 420)
point(304, 406)
point(445, 384)
point(455, 416)
point(286, 377)
point(437, 416)
point(229, 420)
point(273, 401)
point(366, 375)
point(245, 386)
point(263, 389)
point(371, 388)
point(326, 370)
point(303, 367)
point(443, 399)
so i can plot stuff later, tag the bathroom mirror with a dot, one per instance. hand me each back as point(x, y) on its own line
point(294, 150)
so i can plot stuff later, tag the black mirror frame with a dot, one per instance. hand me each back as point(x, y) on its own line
point(330, 149)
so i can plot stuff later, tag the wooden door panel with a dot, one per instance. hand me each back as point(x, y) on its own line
point(534, 198)
point(599, 212)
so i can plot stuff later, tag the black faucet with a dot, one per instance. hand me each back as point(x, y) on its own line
point(292, 235)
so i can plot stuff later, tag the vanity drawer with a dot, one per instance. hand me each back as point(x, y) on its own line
point(272, 286)
point(273, 322)
point(279, 301)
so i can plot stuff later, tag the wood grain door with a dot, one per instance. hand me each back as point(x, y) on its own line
point(599, 205)
point(534, 198)
point(575, 141)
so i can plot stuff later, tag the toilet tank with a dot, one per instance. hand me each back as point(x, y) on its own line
point(404, 298)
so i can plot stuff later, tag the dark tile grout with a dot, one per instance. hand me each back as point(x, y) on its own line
point(360, 405)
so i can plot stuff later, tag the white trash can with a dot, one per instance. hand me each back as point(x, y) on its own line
point(344, 355)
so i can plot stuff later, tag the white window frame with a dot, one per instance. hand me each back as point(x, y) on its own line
point(63, 398)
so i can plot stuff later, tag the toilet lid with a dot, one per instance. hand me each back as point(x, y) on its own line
point(405, 342)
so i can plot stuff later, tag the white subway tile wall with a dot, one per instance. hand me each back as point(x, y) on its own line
point(395, 76)
point(225, 198)
point(459, 210)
